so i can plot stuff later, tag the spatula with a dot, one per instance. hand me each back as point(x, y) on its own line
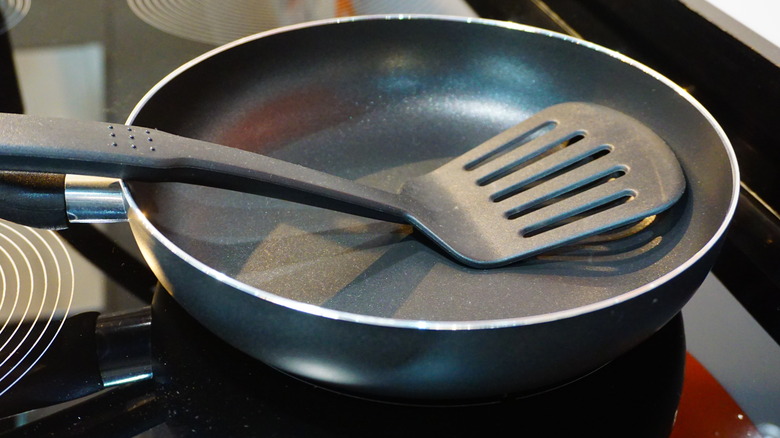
point(571, 171)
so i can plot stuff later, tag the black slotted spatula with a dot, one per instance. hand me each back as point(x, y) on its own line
point(571, 171)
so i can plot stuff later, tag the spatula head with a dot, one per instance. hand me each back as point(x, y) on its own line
point(567, 173)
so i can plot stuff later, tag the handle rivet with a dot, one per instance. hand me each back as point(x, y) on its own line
point(132, 137)
point(133, 146)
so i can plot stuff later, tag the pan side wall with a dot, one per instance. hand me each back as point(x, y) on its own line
point(401, 363)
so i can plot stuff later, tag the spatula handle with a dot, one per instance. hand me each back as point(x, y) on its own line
point(38, 144)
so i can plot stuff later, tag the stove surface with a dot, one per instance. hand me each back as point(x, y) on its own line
point(716, 367)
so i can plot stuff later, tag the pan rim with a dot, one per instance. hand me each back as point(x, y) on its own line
point(135, 213)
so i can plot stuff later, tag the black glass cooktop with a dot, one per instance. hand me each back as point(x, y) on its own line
point(129, 362)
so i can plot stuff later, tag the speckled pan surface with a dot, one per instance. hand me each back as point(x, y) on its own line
point(396, 103)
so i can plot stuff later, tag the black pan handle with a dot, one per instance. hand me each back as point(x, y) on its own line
point(30, 143)
point(34, 199)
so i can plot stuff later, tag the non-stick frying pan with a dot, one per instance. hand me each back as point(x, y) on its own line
point(372, 308)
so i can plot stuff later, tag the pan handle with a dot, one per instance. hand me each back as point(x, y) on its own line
point(34, 199)
point(52, 201)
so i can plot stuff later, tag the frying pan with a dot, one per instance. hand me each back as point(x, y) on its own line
point(372, 308)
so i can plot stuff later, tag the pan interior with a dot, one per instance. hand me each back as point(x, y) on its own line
point(381, 101)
